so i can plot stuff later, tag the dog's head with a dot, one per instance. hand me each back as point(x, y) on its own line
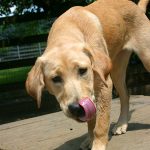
point(68, 73)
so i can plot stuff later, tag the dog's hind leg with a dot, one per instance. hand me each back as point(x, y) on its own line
point(118, 75)
point(142, 43)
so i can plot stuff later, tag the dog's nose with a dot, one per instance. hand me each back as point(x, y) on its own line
point(76, 110)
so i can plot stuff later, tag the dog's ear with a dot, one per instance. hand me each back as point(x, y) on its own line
point(35, 81)
point(101, 63)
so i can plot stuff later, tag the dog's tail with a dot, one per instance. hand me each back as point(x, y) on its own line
point(143, 5)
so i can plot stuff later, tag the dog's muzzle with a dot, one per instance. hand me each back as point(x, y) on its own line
point(84, 110)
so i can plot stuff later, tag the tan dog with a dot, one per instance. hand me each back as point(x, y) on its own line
point(83, 45)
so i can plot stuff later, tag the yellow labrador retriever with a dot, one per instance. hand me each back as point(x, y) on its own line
point(86, 48)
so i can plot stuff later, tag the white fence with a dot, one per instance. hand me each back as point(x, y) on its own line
point(22, 52)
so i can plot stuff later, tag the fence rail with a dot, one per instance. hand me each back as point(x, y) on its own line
point(22, 52)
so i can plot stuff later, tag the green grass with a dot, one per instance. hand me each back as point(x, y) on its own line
point(14, 75)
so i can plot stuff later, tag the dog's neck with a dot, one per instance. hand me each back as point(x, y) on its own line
point(68, 29)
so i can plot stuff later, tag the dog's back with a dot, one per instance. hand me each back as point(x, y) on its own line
point(116, 18)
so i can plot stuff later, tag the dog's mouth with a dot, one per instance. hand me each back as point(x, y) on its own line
point(82, 111)
point(74, 117)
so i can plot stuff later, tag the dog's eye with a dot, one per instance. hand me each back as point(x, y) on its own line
point(82, 71)
point(57, 79)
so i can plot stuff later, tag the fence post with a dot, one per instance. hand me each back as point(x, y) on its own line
point(18, 51)
point(40, 48)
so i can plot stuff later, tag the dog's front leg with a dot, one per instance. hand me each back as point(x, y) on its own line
point(87, 143)
point(101, 129)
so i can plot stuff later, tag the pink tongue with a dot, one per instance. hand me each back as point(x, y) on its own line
point(88, 107)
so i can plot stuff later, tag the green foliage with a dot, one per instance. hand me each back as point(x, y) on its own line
point(35, 27)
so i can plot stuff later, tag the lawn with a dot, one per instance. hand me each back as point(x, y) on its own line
point(14, 75)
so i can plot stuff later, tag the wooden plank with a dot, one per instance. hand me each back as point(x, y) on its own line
point(55, 131)
point(25, 133)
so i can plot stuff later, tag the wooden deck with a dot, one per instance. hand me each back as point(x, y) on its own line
point(56, 132)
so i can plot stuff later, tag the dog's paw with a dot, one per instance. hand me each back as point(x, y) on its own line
point(119, 129)
point(86, 145)
point(97, 145)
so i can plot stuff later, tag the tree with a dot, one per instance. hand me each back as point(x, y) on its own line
point(31, 6)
